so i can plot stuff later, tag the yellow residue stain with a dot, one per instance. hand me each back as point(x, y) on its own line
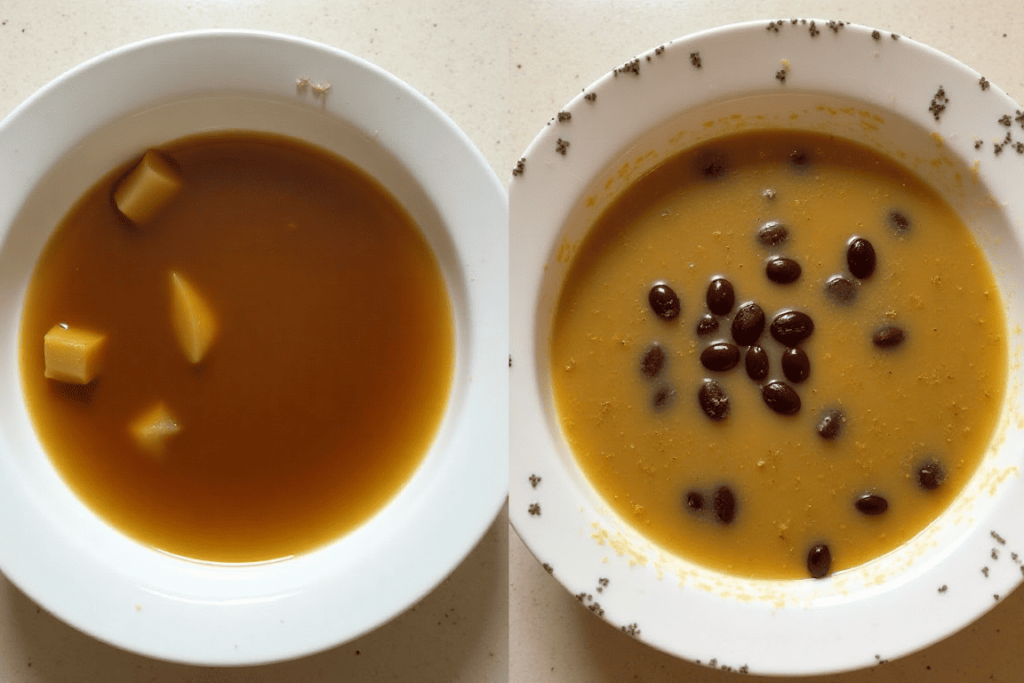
point(623, 170)
point(709, 124)
point(566, 250)
point(938, 139)
point(591, 200)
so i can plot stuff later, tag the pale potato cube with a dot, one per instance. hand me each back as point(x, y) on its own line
point(147, 188)
point(154, 428)
point(72, 355)
point(194, 322)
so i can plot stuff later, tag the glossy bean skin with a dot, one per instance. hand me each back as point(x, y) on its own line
point(792, 327)
point(860, 258)
point(748, 324)
point(781, 398)
point(713, 400)
point(720, 296)
point(707, 325)
point(782, 270)
point(871, 504)
point(664, 301)
point(653, 360)
point(796, 366)
point(772, 234)
point(720, 356)
point(888, 337)
point(819, 561)
point(757, 363)
point(694, 500)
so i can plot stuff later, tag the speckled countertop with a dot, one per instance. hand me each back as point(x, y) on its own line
point(500, 69)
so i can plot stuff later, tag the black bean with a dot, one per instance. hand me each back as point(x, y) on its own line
point(792, 327)
point(860, 257)
point(841, 290)
point(662, 398)
point(781, 397)
point(871, 504)
point(931, 475)
point(713, 400)
point(664, 301)
point(721, 296)
point(724, 505)
point(899, 222)
point(720, 356)
point(712, 166)
point(796, 366)
point(831, 424)
point(695, 500)
point(888, 337)
point(782, 270)
point(799, 157)
point(772, 234)
point(653, 360)
point(748, 324)
point(708, 324)
point(819, 561)
point(757, 363)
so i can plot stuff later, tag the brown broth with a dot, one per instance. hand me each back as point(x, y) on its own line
point(319, 397)
point(696, 218)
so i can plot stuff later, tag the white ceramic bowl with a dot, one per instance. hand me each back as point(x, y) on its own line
point(95, 117)
point(870, 86)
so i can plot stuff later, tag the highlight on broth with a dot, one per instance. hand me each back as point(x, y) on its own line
point(779, 355)
point(238, 348)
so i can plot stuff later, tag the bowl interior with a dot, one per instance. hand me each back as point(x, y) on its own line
point(620, 128)
point(249, 81)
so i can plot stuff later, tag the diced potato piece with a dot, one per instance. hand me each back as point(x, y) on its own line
point(153, 428)
point(73, 355)
point(194, 322)
point(147, 188)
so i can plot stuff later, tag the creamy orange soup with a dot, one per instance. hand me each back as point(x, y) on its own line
point(866, 423)
point(317, 398)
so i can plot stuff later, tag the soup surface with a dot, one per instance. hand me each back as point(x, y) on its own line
point(322, 389)
point(822, 437)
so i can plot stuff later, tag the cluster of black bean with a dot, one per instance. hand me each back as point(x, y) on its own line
point(789, 328)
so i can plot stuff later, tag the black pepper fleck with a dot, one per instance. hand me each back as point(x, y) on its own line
point(894, 36)
point(695, 59)
point(564, 116)
point(518, 170)
point(1005, 120)
point(983, 82)
point(876, 35)
point(658, 50)
point(835, 26)
point(534, 480)
point(813, 30)
point(984, 570)
point(534, 509)
point(548, 568)
point(781, 75)
point(939, 102)
point(978, 144)
point(773, 26)
point(590, 96)
point(630, 67)
point(562, 146)
point(943, 588)
point(999, 539)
